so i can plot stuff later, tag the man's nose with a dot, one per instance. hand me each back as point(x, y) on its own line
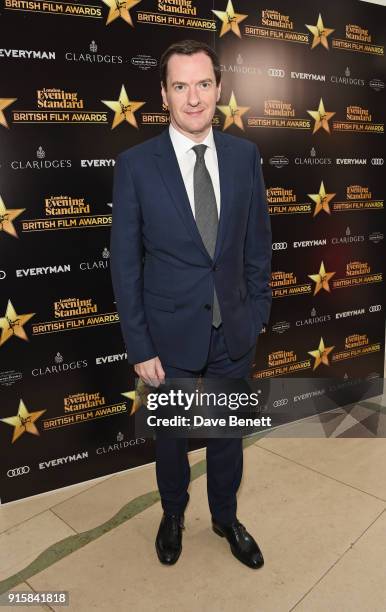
point(193, 97)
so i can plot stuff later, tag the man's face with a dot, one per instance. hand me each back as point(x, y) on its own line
point(191, 94)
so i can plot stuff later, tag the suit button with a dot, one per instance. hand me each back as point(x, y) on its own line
point(208, 306)
point(215, 268)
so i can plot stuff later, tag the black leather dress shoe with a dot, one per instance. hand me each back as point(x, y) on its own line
point(242, 544)
point(169, 538)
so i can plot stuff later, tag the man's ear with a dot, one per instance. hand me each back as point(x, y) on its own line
point(163, 94)
point(218, 91)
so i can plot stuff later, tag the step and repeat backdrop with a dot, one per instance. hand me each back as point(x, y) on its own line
point(79, 83)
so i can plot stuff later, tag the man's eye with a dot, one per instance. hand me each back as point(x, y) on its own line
point(178, 87)
point(205, 85)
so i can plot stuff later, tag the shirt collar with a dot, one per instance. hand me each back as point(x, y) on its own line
point(182, 144)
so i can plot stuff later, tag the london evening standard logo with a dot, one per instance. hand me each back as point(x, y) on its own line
point(55, 7)
point(59, 366)
point(356, 345)
point(358, 198)
point(358, 39)
point(83, 407)
point(286, 284)
point(354, 274)
point(283, 201)
point(360, 120)
point(64, 212)
point(273, 25)
point(174, 13)
point(55, 105)
point(73, 314)
point(278, 114)
point(42, 162)
point(282, 362)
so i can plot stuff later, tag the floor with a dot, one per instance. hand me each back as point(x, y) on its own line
point(315, 505)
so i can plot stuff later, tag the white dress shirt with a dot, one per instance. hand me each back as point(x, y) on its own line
point(186, 158)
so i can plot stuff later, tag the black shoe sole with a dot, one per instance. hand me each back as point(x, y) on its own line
point(219, 533)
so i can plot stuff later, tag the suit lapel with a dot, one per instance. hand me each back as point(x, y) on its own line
point(171, 175)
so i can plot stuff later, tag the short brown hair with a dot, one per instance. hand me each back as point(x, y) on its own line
point(189, 47)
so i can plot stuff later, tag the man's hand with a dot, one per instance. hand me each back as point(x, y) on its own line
point(151, 371)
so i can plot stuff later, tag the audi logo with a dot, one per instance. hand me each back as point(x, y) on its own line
point(377, 161)
point(375, 308)
point(279, 246)
point(2, 275)
point(19, 471)
point(276, 72)
point(281, 402)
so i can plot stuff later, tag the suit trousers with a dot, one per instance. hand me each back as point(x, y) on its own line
point(224, 456)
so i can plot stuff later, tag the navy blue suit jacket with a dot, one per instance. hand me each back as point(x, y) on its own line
point(162, 275)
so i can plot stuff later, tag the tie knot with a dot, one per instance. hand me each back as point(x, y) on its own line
point(200, 151)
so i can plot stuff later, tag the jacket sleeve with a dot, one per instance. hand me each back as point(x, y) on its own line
point(126, 264)
point(258, 248)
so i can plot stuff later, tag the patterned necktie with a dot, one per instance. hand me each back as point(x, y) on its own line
point(206, 214)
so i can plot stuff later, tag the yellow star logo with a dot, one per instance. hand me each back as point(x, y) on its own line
point(230, 20)
point(321, 279)
point(120, 8)
point(23, 421)
point(321, 354)
point(321, 117)
point(131, 396)
point(233, 113)
point(7, 215)
point(322, 200)
point(124, 109)
point(320, 33)
point(12, 324)
point(4, 102)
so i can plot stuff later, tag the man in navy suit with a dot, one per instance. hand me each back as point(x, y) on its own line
point(191, 264)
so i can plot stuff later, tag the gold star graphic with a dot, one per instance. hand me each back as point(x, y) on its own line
point(7, 215)
point(321, 354)
point(321, 279)
point(320, 33)
point(23, 421)
point(230, 20)
point(124, 109)
point(4, 102)
point(120, 8)
point(322, 200)
point(12, 324)
point(321, 117)
point(131, 396)
point(233, 113)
